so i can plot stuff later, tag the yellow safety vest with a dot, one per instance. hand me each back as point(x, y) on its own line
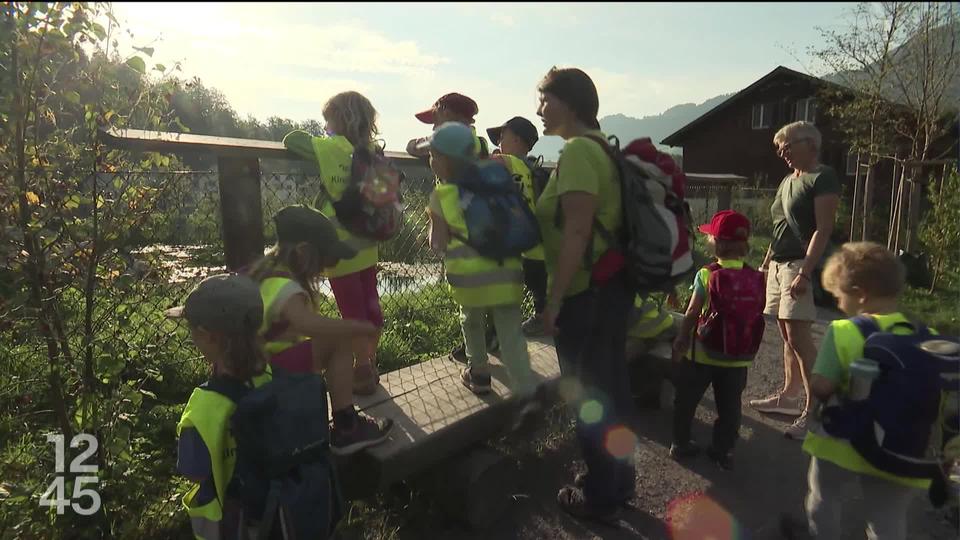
point(653, 321)
point(334, 159)
point(476, 281)
point(209, 413)
point(273, 289)
point(519, 167)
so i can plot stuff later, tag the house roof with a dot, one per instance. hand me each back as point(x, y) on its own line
point(676, 138)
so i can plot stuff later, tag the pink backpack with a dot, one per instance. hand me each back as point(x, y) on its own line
point(732, 327)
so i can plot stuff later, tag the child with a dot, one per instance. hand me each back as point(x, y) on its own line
point(479, 284)
point(350, 123)
point(867, 279)
point(223, 314)
point(516, 139)
point(724, 366)
point(297, 338)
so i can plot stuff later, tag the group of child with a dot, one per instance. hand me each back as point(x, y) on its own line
point(274, 304)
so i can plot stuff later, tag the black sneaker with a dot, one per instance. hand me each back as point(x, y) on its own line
point(478, 384)
point(688, 449)
point(724, 460)
point(459, 354)
point(366, 432)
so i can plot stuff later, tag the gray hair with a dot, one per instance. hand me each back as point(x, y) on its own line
point(799, 130)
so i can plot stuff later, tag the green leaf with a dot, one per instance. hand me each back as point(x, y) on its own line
point(137, 64)
point(145, 50)
point(72, 97)
point(160, 67)
point(99, 31)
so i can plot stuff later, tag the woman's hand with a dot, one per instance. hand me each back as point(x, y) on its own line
point(799, 286)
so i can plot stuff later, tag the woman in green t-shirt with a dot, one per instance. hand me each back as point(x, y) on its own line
point(587, 301)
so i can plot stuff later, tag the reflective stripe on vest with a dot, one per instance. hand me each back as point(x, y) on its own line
point(652, 322)
point(476, 281)
point(334, 159)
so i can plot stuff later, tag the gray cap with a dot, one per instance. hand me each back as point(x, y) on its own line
point(298, 223)
point(228, 303)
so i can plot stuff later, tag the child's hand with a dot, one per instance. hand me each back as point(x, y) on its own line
point(680, 347)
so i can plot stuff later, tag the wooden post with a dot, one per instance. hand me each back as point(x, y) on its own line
point(725, 196)
point(241, 210)
point(867, 201)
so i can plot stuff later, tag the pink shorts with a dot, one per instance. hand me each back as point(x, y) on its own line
point(357, 296)
point(296, 359)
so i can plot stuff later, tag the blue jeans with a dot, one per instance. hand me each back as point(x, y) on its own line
point(591, 347)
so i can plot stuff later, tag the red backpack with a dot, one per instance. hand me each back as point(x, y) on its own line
point(732, 327)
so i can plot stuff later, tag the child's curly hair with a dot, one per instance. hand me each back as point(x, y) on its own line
point(355, 114)
point(868, 266)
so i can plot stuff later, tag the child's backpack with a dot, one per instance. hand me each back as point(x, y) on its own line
point(539, 174)
point(903, 424)
point(656, 237)
point(370, 206)
point(499, 222)
point(732, 326)
point(283, 477)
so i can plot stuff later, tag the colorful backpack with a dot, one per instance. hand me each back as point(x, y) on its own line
point(370, 206)
point(731, 329)
point(499, 222)
point(656, 237)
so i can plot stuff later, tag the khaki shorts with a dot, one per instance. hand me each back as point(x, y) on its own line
point(779, 302)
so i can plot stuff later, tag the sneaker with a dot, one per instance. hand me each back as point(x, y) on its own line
point(366, 432)
point(798, 430)
point(533, 327)
point(779, 404)
point(459, 354)
point(478, 384)
point(572, 501)
point(724, 460)
point(688, 449)
point(365, 380)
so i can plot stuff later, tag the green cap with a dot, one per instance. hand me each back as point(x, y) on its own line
point(228, 303)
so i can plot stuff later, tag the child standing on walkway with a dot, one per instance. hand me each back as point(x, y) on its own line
point(351, 123)
point(479, 284)
point(726, 310)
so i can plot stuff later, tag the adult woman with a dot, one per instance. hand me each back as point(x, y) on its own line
point(804, 211)
point(586, 308)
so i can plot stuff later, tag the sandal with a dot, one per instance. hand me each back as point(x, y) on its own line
point(572, 501)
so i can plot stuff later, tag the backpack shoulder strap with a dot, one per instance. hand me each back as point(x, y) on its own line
point(713, 267)
point(866, 325)
point(232, 389)
point(791, 221)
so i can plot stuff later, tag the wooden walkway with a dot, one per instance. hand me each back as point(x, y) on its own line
point(436, 417)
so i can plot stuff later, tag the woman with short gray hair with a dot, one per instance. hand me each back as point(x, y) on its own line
point(804, 211)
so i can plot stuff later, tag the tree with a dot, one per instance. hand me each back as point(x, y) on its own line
point(897, 66)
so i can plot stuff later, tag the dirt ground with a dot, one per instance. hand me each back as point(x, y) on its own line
point(707, 502)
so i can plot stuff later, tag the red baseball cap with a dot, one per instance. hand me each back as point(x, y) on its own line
point(728, 225)
point(458, 103)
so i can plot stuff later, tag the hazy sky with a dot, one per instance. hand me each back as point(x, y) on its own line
point(287, 59)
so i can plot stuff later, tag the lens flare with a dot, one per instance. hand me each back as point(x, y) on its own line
point(591, 412)
point(699, 517)
point(620, 442)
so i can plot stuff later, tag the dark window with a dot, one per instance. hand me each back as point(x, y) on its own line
point(762, 113)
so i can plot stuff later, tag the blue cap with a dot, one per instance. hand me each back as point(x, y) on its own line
point(452, 139)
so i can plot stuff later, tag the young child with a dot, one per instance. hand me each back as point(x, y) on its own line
point(516, 138)
point(223, 313)
point(724, 366)
point(867, 279)
point(351, 122)
point(297, 338)
point(479, 284)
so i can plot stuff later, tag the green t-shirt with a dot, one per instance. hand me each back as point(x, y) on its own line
point(583, 166)
point(800, 192)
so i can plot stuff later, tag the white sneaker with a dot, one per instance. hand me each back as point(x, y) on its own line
point(779, 404)
point(798, 430)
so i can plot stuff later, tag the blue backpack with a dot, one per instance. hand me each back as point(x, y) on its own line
point(283, 479)
point(901, 427)
point(499, 222)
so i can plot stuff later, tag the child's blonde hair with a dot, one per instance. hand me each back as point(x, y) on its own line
point(303, 268)
point(356, 116)
point(868, 266)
